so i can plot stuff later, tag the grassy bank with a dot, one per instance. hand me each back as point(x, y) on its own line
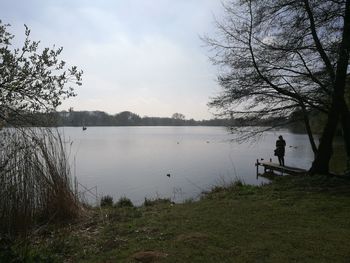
point(305, 219)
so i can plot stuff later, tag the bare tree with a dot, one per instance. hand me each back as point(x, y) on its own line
point(178, 116)
point(339, 108)
point(278, 57)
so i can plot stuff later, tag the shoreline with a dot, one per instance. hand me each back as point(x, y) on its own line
point(290, 219)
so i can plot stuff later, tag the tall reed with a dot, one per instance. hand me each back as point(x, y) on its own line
point(35, 180)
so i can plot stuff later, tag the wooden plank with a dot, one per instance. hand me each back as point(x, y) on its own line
point(284, 169)
point(275, 165)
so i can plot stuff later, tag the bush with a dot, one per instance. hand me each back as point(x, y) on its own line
point(238, 183)
point(106, 200)
point(150, 202)
point(124, 202)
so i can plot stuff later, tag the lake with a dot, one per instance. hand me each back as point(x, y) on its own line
point(135, 161)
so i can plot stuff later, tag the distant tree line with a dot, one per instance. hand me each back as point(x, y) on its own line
point(127, 118)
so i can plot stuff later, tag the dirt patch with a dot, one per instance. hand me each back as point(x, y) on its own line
point(148, 256)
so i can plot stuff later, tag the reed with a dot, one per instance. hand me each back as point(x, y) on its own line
point(35, 180)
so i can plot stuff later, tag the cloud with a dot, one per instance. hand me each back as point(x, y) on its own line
point(152, 72)
point(142, 56)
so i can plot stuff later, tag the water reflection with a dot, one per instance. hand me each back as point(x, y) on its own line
point(135, 161)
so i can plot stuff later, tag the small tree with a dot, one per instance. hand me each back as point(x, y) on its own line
point(34, 168)
point(32, 79)
point(178, 116)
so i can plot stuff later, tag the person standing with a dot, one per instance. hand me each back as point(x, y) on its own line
point(280, 149)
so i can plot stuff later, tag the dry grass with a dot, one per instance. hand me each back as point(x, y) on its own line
point(35, 180)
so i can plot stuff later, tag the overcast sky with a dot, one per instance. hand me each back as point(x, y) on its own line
point(144, 56)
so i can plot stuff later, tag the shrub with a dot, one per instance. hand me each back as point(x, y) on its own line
point(124, 202)
point(238, 183)
point(106, 200)
point(151, 202)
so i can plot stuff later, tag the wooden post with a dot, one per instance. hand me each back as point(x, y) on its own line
point(257, 168)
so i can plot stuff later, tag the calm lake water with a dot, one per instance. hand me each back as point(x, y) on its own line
point(134, 161)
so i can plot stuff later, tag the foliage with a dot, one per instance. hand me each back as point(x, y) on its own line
point(106, 200)
point(100, 118)
point(32, 79)
point(34, 169)
point(7, 253)
point(156, 201)
point(124, 202)
point(178, 116)
point(127, 118)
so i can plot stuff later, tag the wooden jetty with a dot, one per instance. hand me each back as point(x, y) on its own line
point(271, 167)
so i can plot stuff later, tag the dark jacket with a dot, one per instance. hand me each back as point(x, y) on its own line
point(280, 147)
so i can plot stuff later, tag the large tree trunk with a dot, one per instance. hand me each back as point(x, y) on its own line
point(308, 130)
point(324, 153)
point(345, 121)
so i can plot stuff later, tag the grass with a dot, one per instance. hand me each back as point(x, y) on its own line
point(293, 219)
point(339, 158)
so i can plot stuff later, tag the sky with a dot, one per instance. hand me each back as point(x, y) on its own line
point(143, 56)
